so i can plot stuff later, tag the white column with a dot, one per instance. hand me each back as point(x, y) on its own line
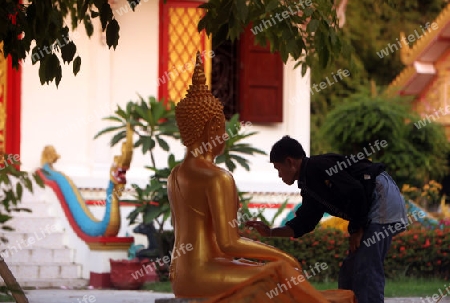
point(297, 100)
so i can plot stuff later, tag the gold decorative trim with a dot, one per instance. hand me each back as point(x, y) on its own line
point(3, 98)
point(409, 55)
point(109, 246)
point(401, 80)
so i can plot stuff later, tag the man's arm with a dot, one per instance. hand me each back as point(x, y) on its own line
point(284, 231)
point(306, 218)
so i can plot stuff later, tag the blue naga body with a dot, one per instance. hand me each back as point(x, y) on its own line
point(77, 206)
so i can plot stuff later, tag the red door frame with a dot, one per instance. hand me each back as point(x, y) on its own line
point(13, 109)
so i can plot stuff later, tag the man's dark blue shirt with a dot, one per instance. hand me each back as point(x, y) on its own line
point(344, 193)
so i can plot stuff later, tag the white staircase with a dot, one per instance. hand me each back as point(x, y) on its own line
point(37, 253)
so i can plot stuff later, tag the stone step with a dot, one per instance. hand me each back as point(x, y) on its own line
point(51, 283)
point(34, 240)
point(38, 209)
point(37, 255)
point(40, 225)
point(40, 195)
point(26, 271)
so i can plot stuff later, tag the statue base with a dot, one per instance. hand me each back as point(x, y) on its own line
point(275, 283)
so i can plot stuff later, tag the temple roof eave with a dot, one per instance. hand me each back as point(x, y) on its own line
point(428, 50)
point(434, 35)
point(412, 80)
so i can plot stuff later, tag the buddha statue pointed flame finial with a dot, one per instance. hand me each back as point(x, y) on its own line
point(198, 78)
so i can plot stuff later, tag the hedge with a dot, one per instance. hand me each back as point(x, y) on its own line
point(417, 252)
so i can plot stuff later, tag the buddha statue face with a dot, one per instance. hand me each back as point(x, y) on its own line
point(200, 115)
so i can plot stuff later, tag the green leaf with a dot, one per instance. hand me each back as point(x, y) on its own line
point(7, 227)
point(151, 214)
point(242, 10)
point(271, 5)
point(133, 3)
point(28, 184)
point(68, 51)
point(112, 34)
point(19, 191)
point(21, 209)
point(132, 216)
point(163, 144)
point(171, 160)
point(106, 15)
point(243, 162)
point(207, 5)
point(76, 65)
point(89, 27)
point(313, 25)
point(304, 69)
point(147, 145)
point(109, 129)
point(230, 165)
point(308, 11)
point(112, 118)
point(38, 180)
point(51, 66)
point(158, 110)
point(94, 14)
point(118, 137)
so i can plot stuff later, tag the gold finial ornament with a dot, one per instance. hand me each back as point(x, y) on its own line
point(198, 107)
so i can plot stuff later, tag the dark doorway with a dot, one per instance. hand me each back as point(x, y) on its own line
point(225, 76)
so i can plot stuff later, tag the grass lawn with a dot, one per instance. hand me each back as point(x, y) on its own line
point(403, 288)
point(394, 288)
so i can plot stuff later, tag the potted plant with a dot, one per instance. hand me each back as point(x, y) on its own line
point(128, 274)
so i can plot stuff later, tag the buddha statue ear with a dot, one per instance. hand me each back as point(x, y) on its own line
point(212, 126)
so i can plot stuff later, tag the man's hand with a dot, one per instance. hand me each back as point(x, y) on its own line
point(355, 240)
point(260, 227)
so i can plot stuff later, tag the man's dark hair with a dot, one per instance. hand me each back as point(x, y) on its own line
point(286, 147)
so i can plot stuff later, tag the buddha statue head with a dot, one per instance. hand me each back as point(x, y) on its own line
point(200, 116)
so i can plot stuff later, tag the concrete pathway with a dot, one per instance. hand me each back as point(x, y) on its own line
point(124, 296)
point(93, 296)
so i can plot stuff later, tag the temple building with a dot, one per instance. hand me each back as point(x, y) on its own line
point(157, 47)
point(426, 76)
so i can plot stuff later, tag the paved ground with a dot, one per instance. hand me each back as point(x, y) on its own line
point(123, 296)
point(93, 296)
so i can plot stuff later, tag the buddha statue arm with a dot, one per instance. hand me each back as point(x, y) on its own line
point(221, 198)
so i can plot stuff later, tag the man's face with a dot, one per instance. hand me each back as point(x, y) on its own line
point(286, 171)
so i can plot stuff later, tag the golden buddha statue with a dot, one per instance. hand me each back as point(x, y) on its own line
point(204, 201)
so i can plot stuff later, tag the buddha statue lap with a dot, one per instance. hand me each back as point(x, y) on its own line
point(204, 200)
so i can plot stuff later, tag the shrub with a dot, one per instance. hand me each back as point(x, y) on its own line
point(417, 252)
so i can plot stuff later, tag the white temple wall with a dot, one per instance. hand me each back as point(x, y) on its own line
point(70, 116)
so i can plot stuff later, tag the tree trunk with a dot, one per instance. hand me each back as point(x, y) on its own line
point(11, 283)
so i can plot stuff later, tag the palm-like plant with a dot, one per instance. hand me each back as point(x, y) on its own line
point(233, 147)
point(152, 121)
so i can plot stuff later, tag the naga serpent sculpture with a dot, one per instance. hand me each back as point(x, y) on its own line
point(89, 225)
